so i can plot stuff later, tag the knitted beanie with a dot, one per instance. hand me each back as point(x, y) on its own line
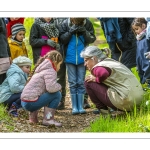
point(22, 61)
point(16, 28)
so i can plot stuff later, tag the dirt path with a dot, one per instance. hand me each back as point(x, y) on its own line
point(70, 123)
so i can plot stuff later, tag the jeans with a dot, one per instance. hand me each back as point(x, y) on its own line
point(76, 77)
point(50, 100)
point(13, 98)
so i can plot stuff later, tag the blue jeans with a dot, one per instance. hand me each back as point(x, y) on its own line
point(50, 100)
point(76, 77)
point(13, 98)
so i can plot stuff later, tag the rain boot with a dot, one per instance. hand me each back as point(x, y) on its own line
point(49, 117)
point(74, 104)
point(33, 116)
point(80, 98)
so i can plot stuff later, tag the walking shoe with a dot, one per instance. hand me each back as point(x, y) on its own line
point(61, 106)
point(14, 113)
point(86, 104)
point(13, 109)
point(96, 111)
point(102, 111)
point(117, 113)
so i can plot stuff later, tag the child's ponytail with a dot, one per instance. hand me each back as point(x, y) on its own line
point(54, 56)
point(40, 60)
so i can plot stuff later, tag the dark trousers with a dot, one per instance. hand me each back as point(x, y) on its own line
point(98, 95)
point(2, 77)
point(13, 98)
point(62, 79)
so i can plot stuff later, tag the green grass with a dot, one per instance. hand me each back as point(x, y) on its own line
point(136, 121)
point(140, 123)
point(6, 122)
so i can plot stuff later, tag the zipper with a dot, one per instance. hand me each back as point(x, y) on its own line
point(76, 49)
point(120, 52)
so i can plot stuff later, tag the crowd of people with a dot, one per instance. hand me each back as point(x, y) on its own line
point(64, 47)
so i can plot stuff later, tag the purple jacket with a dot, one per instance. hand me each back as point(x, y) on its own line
point(43, 80)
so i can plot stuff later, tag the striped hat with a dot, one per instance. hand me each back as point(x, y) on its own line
point(16, 28)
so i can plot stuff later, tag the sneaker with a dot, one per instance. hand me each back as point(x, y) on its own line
point(14, 113)
point(13, 110)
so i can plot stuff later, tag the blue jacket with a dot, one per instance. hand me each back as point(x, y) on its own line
point(112, 29)
point(74, 49)
point(143, 64)
point(14, 83)
point(72, 45)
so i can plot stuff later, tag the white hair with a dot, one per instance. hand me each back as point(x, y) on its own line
point(91, 51)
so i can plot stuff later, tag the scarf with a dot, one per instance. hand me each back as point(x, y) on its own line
point(18, 42)
point(49, 28)
point(141, 35)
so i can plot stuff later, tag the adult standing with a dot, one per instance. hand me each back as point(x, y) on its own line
point(62, 71)
point(111, 84)
point(121, 39)
point(4, 51)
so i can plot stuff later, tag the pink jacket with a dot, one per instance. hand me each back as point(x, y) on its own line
point(43, 80)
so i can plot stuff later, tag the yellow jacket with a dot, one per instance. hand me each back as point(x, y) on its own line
point(16, 49)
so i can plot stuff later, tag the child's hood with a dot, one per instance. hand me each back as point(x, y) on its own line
point(46, 64)
point(15, 69)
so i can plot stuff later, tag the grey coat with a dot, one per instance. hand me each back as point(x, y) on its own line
point(4, 47)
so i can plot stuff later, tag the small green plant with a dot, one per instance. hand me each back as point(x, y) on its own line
point(137, 120)
point(6, 122)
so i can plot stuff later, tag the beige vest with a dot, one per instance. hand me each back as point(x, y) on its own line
point(124, 89)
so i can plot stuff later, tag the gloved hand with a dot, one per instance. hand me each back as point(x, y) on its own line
point(147, 55)
point(81, 29)
point(57, 47)
point(73, 29)
point(51, 43)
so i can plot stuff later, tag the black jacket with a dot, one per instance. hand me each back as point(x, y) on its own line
point(4, 47)
point(125, 51)
point(36, 41)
